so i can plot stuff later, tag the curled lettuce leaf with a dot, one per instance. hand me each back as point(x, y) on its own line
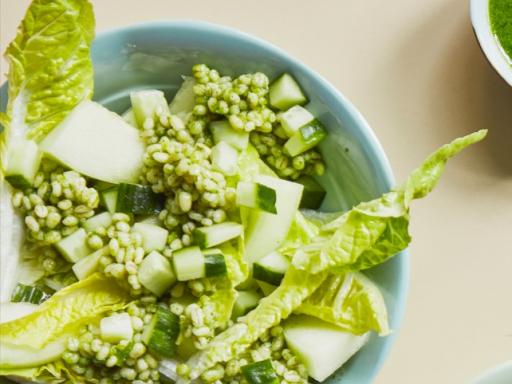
point(55, 372)
point(50, 70)
point(374, 231)
point(296, 287)
point(39, 337)
point(351, 301)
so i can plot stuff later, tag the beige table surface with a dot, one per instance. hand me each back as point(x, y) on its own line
point(414, 69)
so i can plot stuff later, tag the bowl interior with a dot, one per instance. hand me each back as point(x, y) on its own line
point(488, 42)
point(156, 55)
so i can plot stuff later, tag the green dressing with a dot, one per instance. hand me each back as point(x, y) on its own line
point(500, 14)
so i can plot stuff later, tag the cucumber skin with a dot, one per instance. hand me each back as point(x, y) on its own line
point(266, 198)
point(215, 265)
point(305, 138)
point(18, 182)
point(138, 200)
point(29, 294)
point(313, 194)
point(262, 274)
point(261, 372)
point(162, 333)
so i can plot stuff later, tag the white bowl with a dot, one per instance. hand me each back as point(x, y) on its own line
point(502, 374)
point(488, 42)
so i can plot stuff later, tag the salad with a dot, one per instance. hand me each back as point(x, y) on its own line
point(182, 240)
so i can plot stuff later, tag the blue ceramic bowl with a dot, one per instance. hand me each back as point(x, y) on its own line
point(157, 54)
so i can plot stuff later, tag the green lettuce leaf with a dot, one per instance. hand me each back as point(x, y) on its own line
point(351, 301)
point(50, 70)
point(296, 287)
point(39, 338)
point(55, 372)
point(374, 231)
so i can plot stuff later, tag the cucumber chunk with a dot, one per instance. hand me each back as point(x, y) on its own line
point(13, 311)
point(74, 247)
point(103, 219)
point(117, 327)
point(22, 162)
point(260, 372)
point(313, 194)
point(29, 294)
point(294, 118)
point(265, 232)
point(255, 195)
point(188, 263)
point(154, 237)
point(305, 138)
point(89, 264)
point(225, 159)
point(245, 301)
point(207, 237)
point(161, 334)
point(108, 199)
point(223, 132)
point(271, 268)
point(285, 93)
point(138, 200)
point(97, 143)
point(156, 274)
point(321, 346)
point(214, 263)
point(184, 101)
point(148, 104)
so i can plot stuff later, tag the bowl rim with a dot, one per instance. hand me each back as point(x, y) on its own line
point(366, 132)
point(494, 373)
point(489, 44)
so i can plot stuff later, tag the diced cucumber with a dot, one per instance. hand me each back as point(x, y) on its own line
point(214, 263)
point(305, 138)
point(161, 334)
point(108, 199)
point(97, 143)
point(245, 301)
point(102, 185)
point(285, 93)
point(255, 195)
point(89, 264)
point(223, 132)
point(313, 194)
point(184, 100)
point(74, 247)
point(138, 200)
point(22, 162)
point(265, 232)
point(29, 294)
point(129, 117)
point(148, 104)
point(116, 327)
point(154, 237)
point(156, 274)
point(103, 219)
point(321, 346)
point(260, 372)
point(266, 288)
point(271, 268)
point(207, 237)
point(225, 159)
point(60, 280)
point(13, 311)
point(188, 263)
point(294, 118)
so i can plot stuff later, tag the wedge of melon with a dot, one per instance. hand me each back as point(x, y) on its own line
point(97, 143)
point(321, 346)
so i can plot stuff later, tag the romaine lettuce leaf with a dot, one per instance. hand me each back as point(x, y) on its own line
point(374, 231)
point(50, 70)
point(296, 286)
point(55, 372)
point(39, 337)
point(351, 301)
